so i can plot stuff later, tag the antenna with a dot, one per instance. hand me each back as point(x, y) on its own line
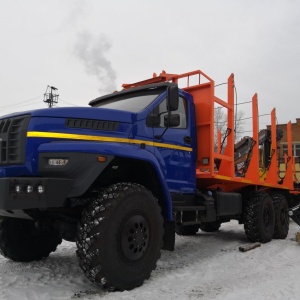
point(51, 96)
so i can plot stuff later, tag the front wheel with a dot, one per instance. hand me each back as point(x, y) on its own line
point(22, 241)
point(120, 236)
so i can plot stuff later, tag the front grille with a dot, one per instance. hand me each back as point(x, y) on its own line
point(92, 124)
point(13, 140)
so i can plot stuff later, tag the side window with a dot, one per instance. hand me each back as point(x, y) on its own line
point(161, 111)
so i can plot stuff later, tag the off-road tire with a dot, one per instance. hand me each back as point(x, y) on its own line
point(22, 241)
point(259, 218)
point(120, 236)
point(281, 216)
point(210, 226)
point(187, 230)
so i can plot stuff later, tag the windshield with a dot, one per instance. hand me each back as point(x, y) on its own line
point(134, 102)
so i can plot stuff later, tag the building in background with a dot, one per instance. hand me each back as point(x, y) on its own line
point(283, 146)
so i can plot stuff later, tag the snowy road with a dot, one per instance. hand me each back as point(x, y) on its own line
point(206, 266)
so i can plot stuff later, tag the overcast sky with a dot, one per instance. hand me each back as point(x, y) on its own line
point(88, 48)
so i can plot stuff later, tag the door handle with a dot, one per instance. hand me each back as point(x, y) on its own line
point(187, 139)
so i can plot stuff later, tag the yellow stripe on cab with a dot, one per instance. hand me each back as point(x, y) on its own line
point(97, 138)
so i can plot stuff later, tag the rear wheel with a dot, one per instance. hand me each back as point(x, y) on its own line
point(21, 240)
point(210, 226)
point(259, 218)
point(120, 236)
point(281, 216)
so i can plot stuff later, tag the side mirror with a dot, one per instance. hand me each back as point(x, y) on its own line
point(172, 120)
point(173, 98)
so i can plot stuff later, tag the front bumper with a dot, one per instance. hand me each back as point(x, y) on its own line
point(23, 192)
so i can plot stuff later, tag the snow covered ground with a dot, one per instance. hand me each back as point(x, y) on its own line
point(205, 266)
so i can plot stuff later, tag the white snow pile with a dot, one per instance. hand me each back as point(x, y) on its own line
point(205, 266)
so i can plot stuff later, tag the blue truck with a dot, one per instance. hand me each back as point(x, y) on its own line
point(122, 177)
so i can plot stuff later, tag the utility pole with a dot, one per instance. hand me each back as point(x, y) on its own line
point(51, 96)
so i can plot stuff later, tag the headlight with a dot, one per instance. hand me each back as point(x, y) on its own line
point(41, 189)
point(29, 189)
point(18, 189)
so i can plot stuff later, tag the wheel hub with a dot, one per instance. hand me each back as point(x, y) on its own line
point(134, 238)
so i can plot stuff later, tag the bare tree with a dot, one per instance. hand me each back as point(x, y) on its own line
point(239, 125)
point(221, 124)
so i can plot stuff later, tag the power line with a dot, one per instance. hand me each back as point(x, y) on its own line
point(220, 84)
point(18, 103)
point(244, 102)
point(69, 103)
point(19, 106)
point(252, 117)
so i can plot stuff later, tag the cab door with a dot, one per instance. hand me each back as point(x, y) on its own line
point(174, 140)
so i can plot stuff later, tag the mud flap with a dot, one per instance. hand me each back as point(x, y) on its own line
point(169, 236)
point(294, 214)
